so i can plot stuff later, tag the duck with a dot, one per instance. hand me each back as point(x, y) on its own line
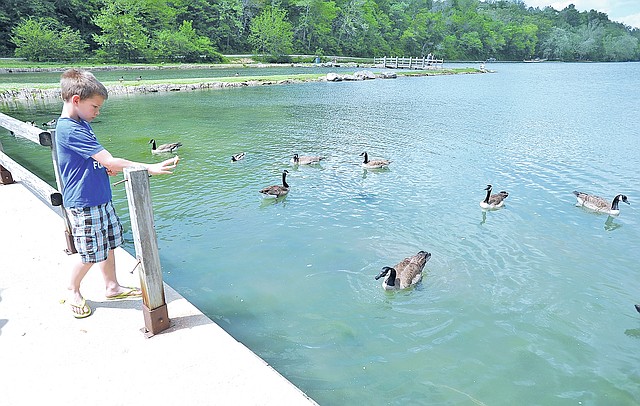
point(404, 274)
point(164, 148)
point(638, 308)
point(495, 201)
point(599, 204)
point(277, 190)
point(50, 123)
point(375, 164)
point(306, 160)
point(237, 157)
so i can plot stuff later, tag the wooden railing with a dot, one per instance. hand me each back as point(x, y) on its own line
point(426, 62)
point(42, 189)
point(141, 213)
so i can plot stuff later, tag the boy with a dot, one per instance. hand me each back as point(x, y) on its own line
point(84, 168)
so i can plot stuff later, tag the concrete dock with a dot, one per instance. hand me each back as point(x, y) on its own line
point(49, 357)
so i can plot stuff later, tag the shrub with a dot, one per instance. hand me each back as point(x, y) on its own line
point(45, 39)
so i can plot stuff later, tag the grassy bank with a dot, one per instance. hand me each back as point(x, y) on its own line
point(237, 79)
point(17, 92)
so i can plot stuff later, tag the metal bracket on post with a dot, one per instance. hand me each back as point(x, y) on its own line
point(146, 244)
point(5, 176)
point(157, 319)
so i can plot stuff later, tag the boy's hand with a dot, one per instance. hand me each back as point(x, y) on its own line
point(164, 167)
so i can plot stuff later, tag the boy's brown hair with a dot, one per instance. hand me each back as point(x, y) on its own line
point(81, 82)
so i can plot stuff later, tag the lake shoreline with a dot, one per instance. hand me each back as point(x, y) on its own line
point(52, 91)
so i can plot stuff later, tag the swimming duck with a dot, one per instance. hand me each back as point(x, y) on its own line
point(277, 190)
point(599, 204)
point(495, 201)
point(306, 160)
point(164, 148)
point(237, 157)
point(375, 164)
point(406, 273)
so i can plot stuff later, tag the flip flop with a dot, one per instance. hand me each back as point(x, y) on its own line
point(130, 293)
point(80, 311)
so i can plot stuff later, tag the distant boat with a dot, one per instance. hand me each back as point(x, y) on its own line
point(536, 60)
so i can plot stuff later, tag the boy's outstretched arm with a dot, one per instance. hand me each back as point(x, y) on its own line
point(115, 165)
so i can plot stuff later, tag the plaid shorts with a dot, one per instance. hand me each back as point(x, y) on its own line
point(96, 230)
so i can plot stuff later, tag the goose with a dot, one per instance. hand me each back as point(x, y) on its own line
point(277, 190)
point(50, 123)
point(495, 201)
point(237, 157)
point(599, 204)
point(306, 160)
point(406, 273)
point(172, 147)
point(375, 164)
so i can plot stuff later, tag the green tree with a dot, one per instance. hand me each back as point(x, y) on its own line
point(426, 30)
point(559, 45)
point(350, 23)
point(588, 41)
point(123, 37)
point(184, 45)
point(271, 33)
point(313, 26)
point(471, 45)
point(12, 12)
point(133, 30)
point(372, 39)
point(227, 24)
point(520, 40)
point(78, 14)
point(571, 16)
point(44, 39)
point(620, 48)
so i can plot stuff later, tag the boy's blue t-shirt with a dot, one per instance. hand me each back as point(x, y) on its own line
point(85, 180)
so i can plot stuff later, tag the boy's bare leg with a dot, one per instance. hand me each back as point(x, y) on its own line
point(108, 269)
point(78, 272)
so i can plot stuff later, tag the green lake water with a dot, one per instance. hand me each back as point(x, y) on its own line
point(531, 304)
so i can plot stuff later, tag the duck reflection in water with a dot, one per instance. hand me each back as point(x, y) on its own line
point(610, 224)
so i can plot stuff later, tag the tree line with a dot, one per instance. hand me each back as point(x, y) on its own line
point(203, 30)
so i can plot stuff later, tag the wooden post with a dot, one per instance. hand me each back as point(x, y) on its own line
point(154, 307)
point(5, 175)
point(71, 246)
